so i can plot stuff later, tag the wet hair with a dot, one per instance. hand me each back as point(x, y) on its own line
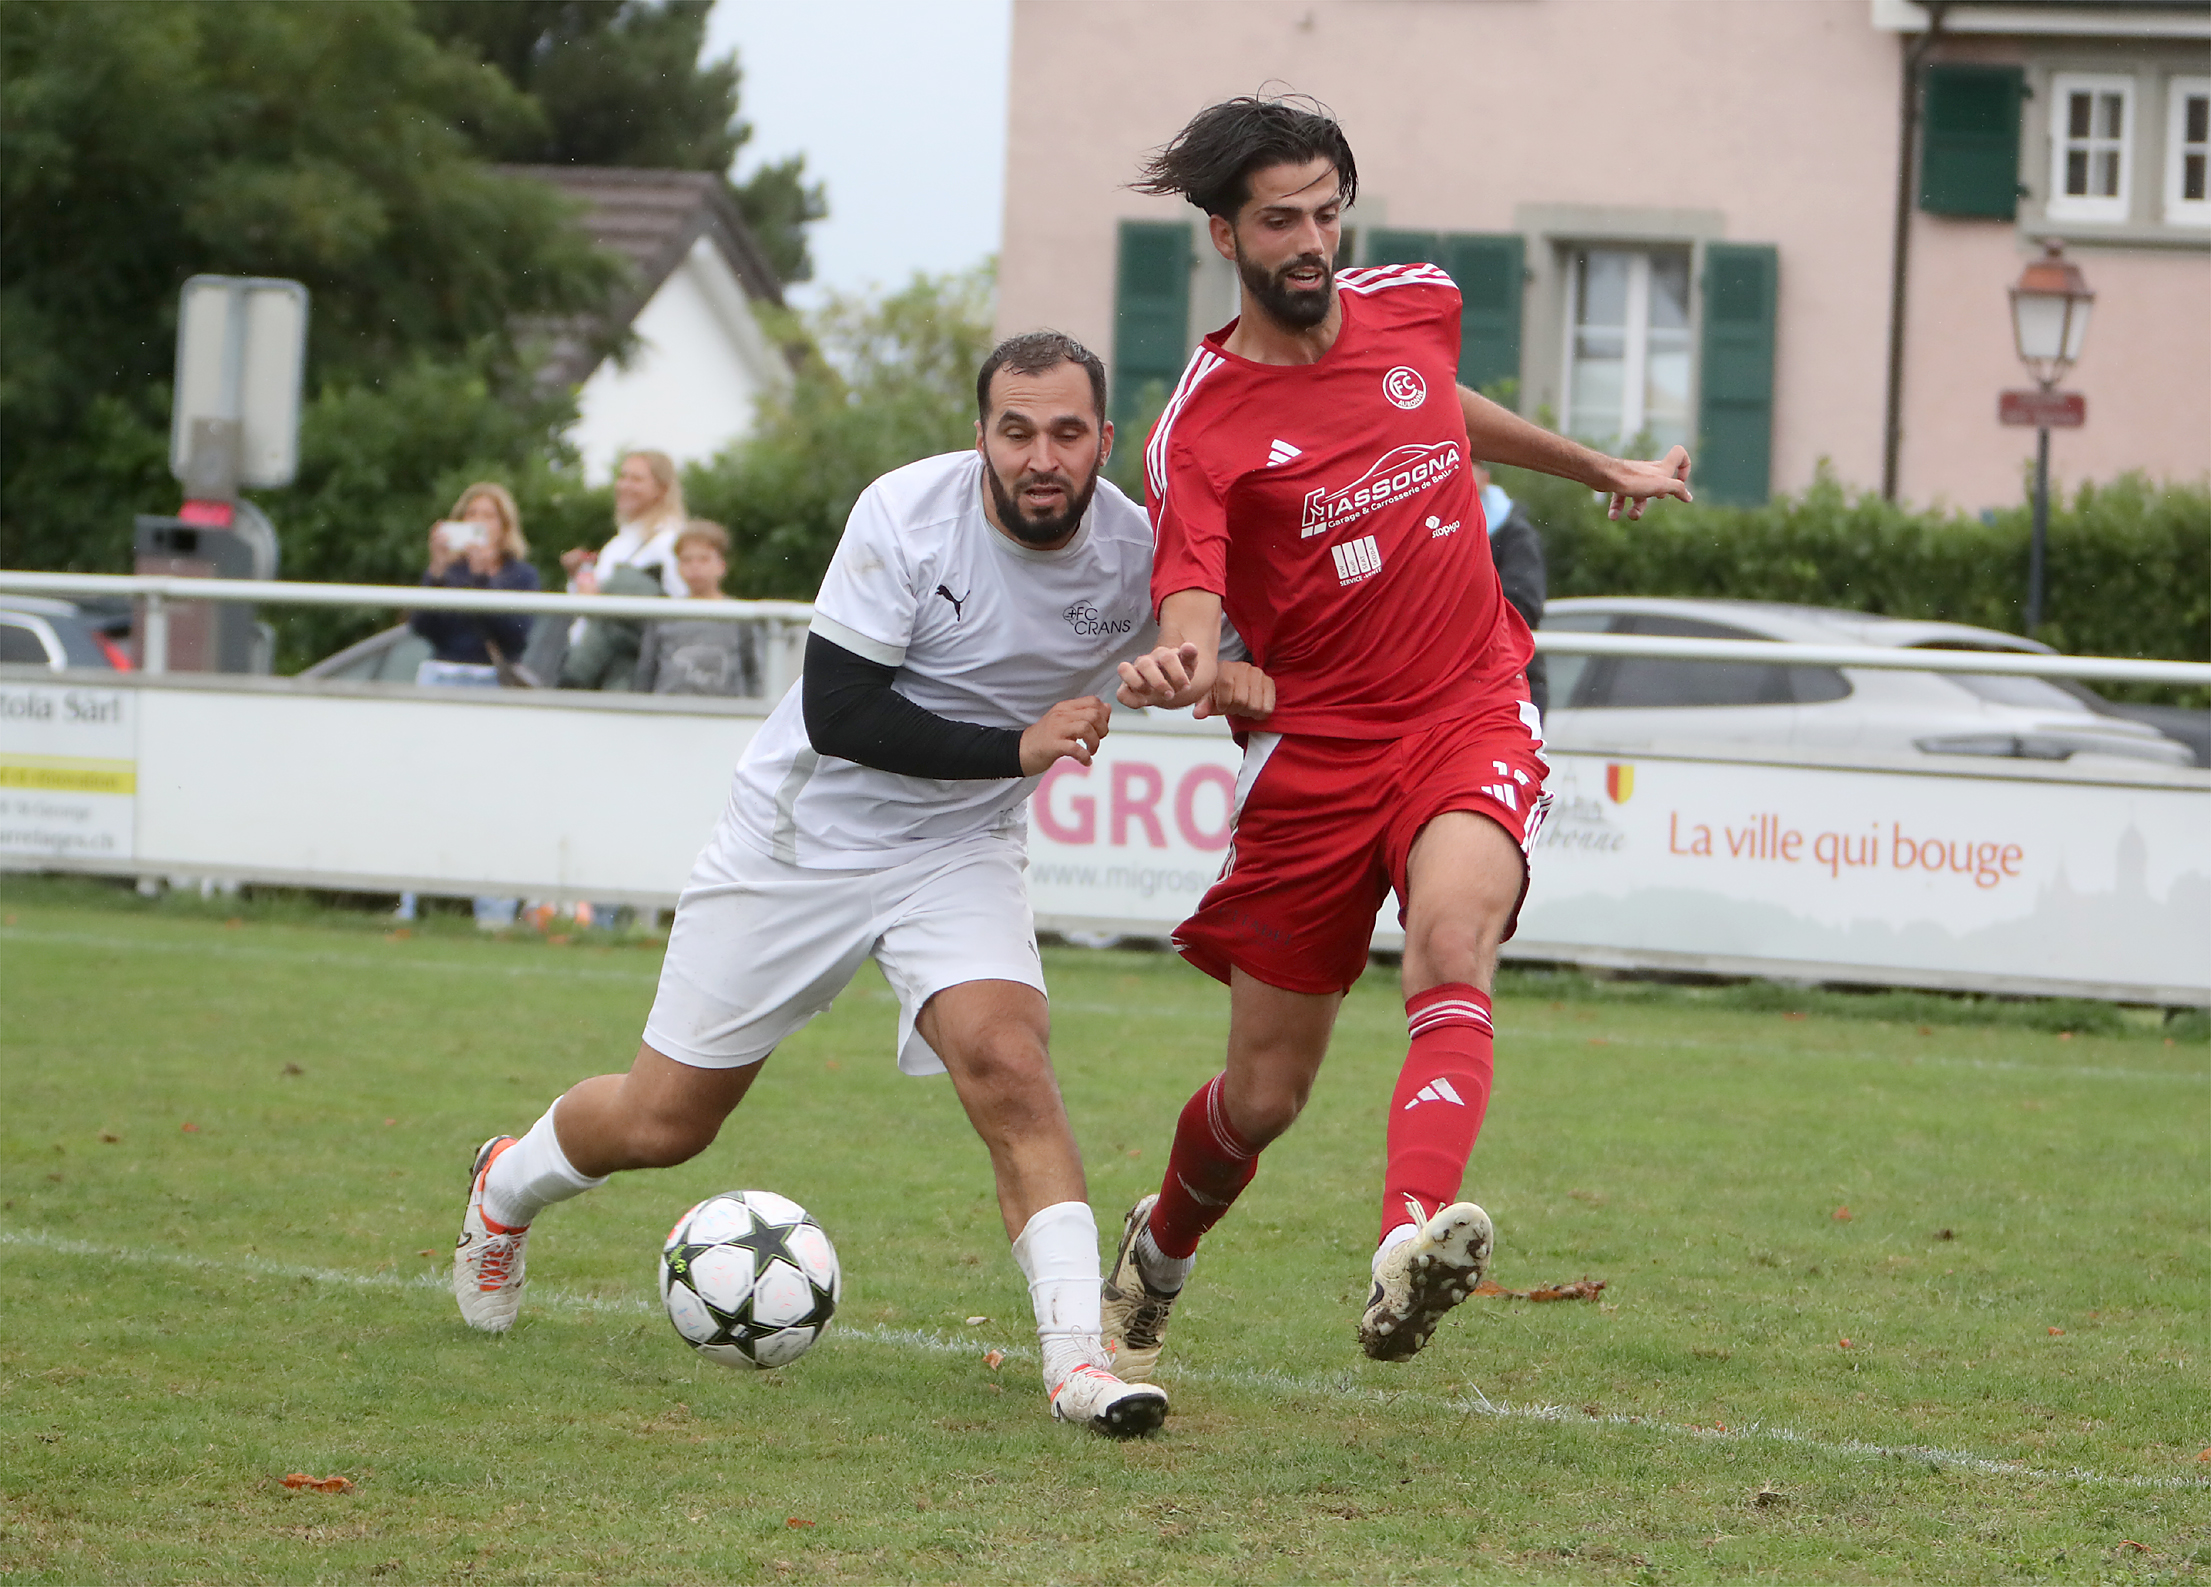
point(705, 532)
point(1034, 352)
point(1211, 161)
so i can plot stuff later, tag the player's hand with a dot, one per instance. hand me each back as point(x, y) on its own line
point(1635, 485)
point(1072, 730)
point(1240, 690)
point(1164, 677)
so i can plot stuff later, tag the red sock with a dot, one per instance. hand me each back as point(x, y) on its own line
point(1436, 1111)
point(1207, 1170)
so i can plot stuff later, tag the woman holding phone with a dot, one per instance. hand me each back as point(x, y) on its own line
point(477, 546)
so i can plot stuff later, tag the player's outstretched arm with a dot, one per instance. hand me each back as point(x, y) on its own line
point(1070, 730)
point(1498, 435)
point(1180, 669)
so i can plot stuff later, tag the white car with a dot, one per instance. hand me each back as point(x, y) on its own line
point(1648, 702)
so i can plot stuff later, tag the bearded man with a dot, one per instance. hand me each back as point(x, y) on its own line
point(881, 812)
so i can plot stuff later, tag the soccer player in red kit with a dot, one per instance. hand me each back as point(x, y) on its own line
point(1311, 475)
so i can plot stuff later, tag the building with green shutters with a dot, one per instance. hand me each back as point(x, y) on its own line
point(1676, 220)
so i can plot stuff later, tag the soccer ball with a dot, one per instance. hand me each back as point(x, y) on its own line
point(749, 1278)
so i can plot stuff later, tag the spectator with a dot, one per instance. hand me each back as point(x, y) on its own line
point(700, 655)
point(648, 512)
point(605, 656)
point(1516, 547)
point(479, 546)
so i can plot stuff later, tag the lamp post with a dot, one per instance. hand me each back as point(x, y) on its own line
point(2049, 320)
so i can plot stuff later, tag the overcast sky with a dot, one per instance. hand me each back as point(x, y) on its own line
point(899, 105)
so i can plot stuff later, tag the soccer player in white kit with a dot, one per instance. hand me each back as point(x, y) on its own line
point(973, 614)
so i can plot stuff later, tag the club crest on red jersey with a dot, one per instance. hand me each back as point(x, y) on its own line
point(1404, 387)
point(1401, 472)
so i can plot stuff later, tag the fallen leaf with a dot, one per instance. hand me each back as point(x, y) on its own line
point(1842, 1214)
point(1134, 1152)
point(390, 1122)
point(1583, 1288)
point(1600, 1041)
point(2205, 1456)
point(300, 1479)
point(191, 1129)
point(1768, 1494)
point(831, 1064)
point(294, 1069)
point(561, 939)
point(1946, 1234)
point(427, 1251)
point(111, 1138)
point(977, 1322)
point(233, 923)
point(796, 1521)
point(994, 1359)
point(1842, 1344)
point(1796, 1014)
point(401, 935)
point(2139, 1548)
point(2054, 1332)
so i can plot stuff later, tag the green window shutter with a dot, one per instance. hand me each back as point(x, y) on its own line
point(1151, 318)
point(1488, 271)
point(1969, 141)
point(1735, 421)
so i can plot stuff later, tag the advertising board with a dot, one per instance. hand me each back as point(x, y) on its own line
point(68, 773)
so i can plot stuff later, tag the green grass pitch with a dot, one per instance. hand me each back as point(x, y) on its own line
point(1918, 1297)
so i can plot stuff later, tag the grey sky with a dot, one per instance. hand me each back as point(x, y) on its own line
point(900, 106)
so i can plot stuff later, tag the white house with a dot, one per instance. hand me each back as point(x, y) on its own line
point(700, 359)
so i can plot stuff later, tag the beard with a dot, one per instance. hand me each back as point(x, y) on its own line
point(1035, 531)
point(1294, 308)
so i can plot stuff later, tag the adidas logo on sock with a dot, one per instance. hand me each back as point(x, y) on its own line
point(1438, 1090)
point(1281, 452)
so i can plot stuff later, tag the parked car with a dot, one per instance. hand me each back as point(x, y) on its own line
point(38, 632)
point(1649, 702)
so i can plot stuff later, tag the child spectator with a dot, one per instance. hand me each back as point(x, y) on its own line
point(700, 655)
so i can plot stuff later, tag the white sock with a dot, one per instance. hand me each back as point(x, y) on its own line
point(1058, 1253)
point(1395, 1238)
point(531, 1175)
point(1164, 1273)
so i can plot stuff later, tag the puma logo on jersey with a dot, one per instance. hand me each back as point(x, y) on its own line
point(957, 601)
point(1436, 1090)
point(1356, 560)
point(1281, 452)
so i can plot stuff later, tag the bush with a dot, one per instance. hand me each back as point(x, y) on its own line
point(2129, 562)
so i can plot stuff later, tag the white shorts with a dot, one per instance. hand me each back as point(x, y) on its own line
point(759, 947)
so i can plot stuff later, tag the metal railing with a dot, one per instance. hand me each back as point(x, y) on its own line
point(157, 591)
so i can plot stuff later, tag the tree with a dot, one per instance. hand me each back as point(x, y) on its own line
point(620, 82)
point(893, 381)
point(142, 144)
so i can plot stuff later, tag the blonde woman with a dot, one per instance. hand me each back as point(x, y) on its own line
point(478, 546)
point(648, 514)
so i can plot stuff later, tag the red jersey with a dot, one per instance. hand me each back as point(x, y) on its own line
point(1331, 507)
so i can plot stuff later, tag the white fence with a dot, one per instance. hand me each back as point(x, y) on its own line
point(2089, 879)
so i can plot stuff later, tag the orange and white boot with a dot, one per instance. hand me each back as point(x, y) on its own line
point(487, 1260)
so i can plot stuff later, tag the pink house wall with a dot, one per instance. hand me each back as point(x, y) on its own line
point(1779, 117)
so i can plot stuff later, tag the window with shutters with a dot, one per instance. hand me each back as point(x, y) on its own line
point(1969, 141)
point(1151, 317)
point(1488, 270)
point(2188, 152)
point(1628, 360)
point(2091, 146)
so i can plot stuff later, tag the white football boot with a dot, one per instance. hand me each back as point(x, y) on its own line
point(1133, 1314)
point(487, 1260)
point(1416, 1281)
point(1116, 1409)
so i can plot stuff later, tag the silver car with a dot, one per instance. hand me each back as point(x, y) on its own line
point(1649, 702)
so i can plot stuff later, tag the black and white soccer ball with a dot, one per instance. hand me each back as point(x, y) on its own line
point(749, 1278)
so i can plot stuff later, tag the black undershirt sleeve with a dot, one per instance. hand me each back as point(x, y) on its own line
point(853, 713)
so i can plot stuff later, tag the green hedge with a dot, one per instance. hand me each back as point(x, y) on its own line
point(2129, 562)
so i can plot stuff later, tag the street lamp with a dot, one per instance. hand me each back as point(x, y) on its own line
point(2049, 321)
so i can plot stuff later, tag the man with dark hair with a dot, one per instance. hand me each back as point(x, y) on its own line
point(1310, 476)
point(881, 812)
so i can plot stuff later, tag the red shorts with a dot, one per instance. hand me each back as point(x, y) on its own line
point(1323, 830)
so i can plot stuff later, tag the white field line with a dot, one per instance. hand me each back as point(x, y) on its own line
point(1334, 1386)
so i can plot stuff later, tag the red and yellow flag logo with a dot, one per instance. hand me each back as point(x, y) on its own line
point(1619, 783)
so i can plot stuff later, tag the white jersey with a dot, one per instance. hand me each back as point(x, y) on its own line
point(980, 628)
